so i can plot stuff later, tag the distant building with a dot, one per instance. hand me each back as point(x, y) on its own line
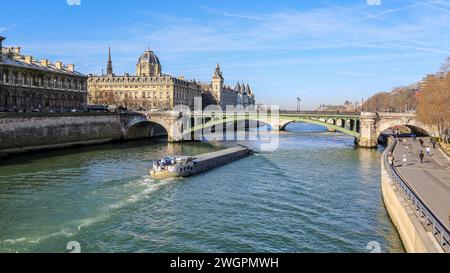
point(346, 107)
point(150, 89)
point(218, 93)
point(28, 84)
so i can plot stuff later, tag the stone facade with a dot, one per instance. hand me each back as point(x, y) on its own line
point(28, 84)
point(150, 89)
point(217, 92)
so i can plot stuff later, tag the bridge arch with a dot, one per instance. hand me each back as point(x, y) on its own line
point(280, 123)
point(320, 123)
point(140, 127)
point(347, 126)
point(146, 129)
point(413, 124)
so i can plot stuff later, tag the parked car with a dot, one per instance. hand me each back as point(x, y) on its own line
point(96, 108)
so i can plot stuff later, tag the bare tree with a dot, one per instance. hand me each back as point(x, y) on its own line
point(434, 105)
point(401, 99)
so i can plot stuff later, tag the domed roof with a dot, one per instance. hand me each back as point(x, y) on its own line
point(149, 57)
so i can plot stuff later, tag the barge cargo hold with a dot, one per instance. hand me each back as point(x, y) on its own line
point(184, 166)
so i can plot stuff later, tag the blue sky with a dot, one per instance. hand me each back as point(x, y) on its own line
point(323, 51)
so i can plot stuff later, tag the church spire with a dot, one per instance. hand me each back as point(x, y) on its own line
point(109, 69)
point(217, 72)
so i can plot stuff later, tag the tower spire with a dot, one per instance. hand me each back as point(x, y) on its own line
point(217, 72)
point(109, 69)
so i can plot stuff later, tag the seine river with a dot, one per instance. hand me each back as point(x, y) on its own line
point(316, 193)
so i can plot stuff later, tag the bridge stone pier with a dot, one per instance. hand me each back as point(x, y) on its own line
point(368, 136)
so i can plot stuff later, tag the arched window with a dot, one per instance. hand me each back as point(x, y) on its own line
point(6, 76)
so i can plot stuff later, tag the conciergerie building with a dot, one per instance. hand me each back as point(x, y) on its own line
point(150, 89)
point(27, 84)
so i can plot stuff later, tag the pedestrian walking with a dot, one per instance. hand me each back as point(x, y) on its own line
point(434, 145)
point(421, 156)
point(421, 142)
point(391, 159)
point(428, 151)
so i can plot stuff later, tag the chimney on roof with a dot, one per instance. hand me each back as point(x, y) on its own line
point(1, 46)
point(59, 65)
point(44, 62)
point(71, 67)
point(29, 59)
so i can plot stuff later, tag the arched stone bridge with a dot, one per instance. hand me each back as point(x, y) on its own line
point(364, 127)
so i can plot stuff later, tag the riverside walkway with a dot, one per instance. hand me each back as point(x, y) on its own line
point(430, 179)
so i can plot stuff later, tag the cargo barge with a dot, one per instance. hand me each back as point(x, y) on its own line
point(185, 166)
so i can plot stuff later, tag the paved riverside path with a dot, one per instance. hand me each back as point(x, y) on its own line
point(430, 179)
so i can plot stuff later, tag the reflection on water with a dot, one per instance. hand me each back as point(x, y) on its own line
point(316, 193)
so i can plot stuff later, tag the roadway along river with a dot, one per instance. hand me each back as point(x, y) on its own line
point(316, 193)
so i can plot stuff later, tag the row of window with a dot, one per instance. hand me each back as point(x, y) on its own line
point(128, 80)
point(186, 168)
point(144, 95)
point(128, 87)
point(41, 81)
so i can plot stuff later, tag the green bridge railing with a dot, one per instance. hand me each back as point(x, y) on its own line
point(283, 120)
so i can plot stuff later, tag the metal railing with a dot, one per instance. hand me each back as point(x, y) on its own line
point(329, 113)
point(426, 217)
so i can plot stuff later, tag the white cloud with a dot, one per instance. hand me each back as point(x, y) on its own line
point(14, 25)
point(255, 46)
point(436, 5)
point(301, 30)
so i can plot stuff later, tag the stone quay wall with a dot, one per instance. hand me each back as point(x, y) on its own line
point(414, 237)
point(23, 132)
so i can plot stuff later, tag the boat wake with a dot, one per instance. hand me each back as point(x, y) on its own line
point(142, 188)
point(146, 187)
